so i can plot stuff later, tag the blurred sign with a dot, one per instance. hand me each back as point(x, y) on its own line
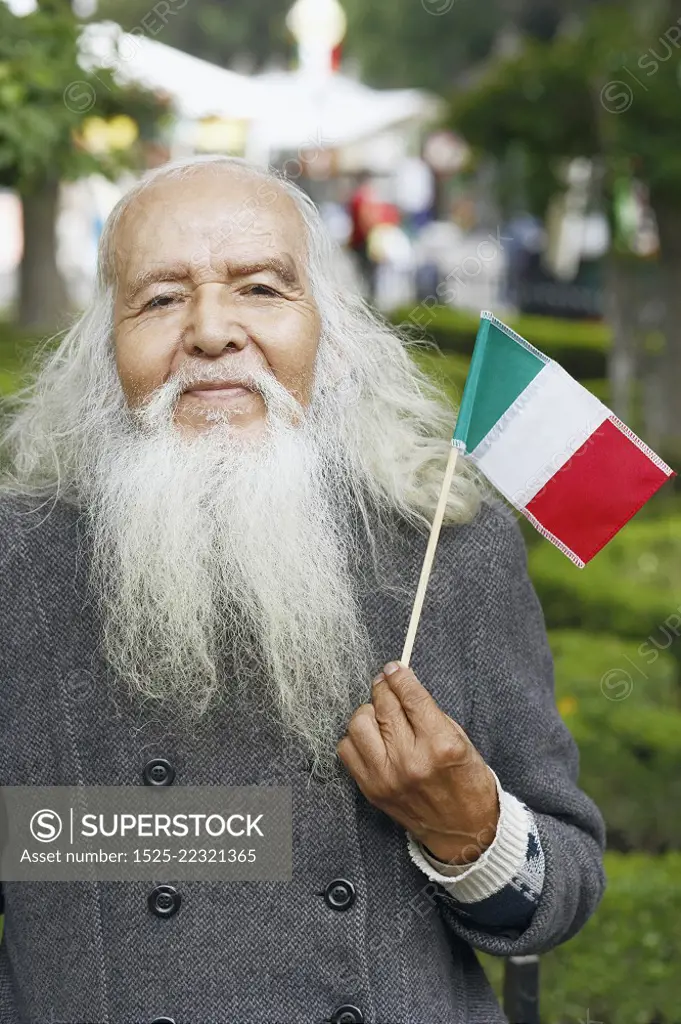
point(220, 135)
point(445, 152)
point(97, 135)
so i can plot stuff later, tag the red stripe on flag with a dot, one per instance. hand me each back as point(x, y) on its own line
point(597, 491)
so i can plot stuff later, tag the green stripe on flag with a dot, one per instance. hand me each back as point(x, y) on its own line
point(502, 366)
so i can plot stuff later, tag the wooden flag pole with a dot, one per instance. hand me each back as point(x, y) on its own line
point(430, 554)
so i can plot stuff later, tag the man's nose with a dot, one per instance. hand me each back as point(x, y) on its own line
point(215, 322)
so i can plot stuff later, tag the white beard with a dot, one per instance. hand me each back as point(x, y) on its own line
point(220, 542)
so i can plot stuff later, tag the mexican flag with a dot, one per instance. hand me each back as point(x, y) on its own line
point(557, 454)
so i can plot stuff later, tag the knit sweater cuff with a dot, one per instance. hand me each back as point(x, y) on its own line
point(500, 863)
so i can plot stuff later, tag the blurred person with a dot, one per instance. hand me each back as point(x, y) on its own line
point(214, 515)
point(336, 220)
point(414, 184)
point(391, 251)
point(525, 238)
point(364, 211)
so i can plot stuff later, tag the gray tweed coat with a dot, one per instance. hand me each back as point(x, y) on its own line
point(272, 952)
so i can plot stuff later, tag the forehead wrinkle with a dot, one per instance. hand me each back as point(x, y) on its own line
point(288, 274)
point(282, 266)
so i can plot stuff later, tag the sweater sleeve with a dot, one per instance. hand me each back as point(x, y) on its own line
point(501, 889)
point(518, 730)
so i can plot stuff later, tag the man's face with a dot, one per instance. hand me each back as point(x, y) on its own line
point(211, 281)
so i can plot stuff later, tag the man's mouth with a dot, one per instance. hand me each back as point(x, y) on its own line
point(218, 391)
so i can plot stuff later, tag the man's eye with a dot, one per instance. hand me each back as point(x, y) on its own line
point(160, 301)
point(261, 289)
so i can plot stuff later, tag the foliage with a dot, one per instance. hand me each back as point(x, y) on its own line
point(607, 89)
point(631, 588)
point(414, 43)
point(535, 106)
point(17, 349)
point(622, 968)
point(580, 346)
point(45, 97)
point(574, 97)
point(449, 370)
point(397, 43)
point(240, 31)
point(624, 710)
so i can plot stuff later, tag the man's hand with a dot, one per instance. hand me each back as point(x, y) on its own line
point(414, 762)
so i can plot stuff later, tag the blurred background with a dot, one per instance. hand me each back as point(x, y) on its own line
point(522, 156)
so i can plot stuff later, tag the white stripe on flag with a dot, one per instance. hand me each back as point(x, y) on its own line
point(538, 433)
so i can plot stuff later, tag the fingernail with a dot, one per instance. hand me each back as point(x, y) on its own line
point(378, 679)
point(391, 667)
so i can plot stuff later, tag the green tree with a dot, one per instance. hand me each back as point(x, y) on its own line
point(45, 98)
point(397, 43)
point(598, 91)
point(239, 34)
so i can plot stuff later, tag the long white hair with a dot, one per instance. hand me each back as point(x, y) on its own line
point(196, 542)
point(394, 419)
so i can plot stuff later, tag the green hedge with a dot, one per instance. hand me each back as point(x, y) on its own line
point(631, 588)
point(15, 347)
point(579, 345)
point(623, 967)
point(13, 338)
point(588, 673)
point(450, 369)
point(624, 711)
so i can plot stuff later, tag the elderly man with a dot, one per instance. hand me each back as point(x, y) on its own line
point(213, 517)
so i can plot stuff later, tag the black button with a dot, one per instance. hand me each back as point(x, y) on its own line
point(339, 894)
point(164, 901)
point(347, 1014)
point(163, 1020)
point(158, 772)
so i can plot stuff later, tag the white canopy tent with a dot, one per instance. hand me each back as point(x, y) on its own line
point(285, 111)
point(306, 111)
point(198, 88)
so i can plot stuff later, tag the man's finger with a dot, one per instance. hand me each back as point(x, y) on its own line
point(351, 757)
point(366, 737)
point(390, 714)
point(418, 704)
